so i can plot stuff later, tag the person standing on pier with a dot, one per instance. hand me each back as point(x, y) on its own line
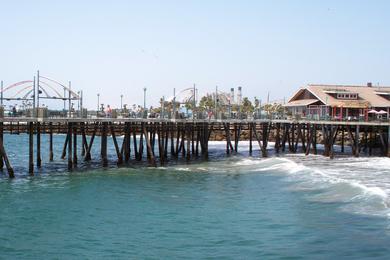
point(108, 111)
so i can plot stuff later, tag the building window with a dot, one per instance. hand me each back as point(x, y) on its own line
point(347, 96)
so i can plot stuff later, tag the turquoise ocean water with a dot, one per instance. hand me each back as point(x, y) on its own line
point(237, 207)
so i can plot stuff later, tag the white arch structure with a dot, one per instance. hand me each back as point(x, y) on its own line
point(48, 89)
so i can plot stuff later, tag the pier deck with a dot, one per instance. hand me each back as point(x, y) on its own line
point(160, 140)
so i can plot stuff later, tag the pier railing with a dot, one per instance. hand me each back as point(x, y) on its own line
point(118, 114)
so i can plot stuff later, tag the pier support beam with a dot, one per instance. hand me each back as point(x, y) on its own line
point(277, 138)
point(65, 146)
point(4, 156)
point(51, 155)
point(104, 144)
point(250, 137)
point(39, 160)
point(88, 153)
point(2, 140)
point(84, 144)
point(342, 139)
point(136, 153)
point(388, 141)
point(74, 145)
point(126, 142)
point(188, 130)
point(357, 145)
point(149, 147)
point(118, 153)
point(70, 161)
point(31, 148)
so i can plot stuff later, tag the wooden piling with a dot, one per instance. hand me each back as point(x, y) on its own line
point(118, 153)
point(31, 148)
point(84, 144)
point(88, 153)
point(357, 144)
point(388, 141)
point(74, 144)
point(136, 153)
point(51, 154)
point(4, 156)
point(70, 161)
point(64, 147)
point(127, 142)
point(2, 140)
point(152, 160)
point(39, 160)
point(277, 138)
point(104, 144)
point(250, 137)
point(141, 142)
point(188, 156)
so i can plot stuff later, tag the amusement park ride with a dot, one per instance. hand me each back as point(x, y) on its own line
point(32, 92)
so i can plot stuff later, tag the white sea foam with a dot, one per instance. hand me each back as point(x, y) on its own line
point(361, 185)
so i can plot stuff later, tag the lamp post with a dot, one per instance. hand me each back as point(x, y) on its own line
point(144, 89)
point(1, 93)
point(216, 102)
point(70, 98)
point(260, 109)
point(174, 103)
point(63, 98)
point(194, 102)
point(78, 100)
point(98, 96)
point(38, 88)
point(162, 107)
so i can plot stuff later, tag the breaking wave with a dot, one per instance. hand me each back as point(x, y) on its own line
point(361, 185)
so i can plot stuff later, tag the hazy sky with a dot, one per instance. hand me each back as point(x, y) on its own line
point(119, 47)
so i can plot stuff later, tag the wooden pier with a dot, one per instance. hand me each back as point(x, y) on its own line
point(159, 140)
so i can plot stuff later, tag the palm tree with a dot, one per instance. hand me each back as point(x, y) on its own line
point(247, 106)
point(206, 103)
